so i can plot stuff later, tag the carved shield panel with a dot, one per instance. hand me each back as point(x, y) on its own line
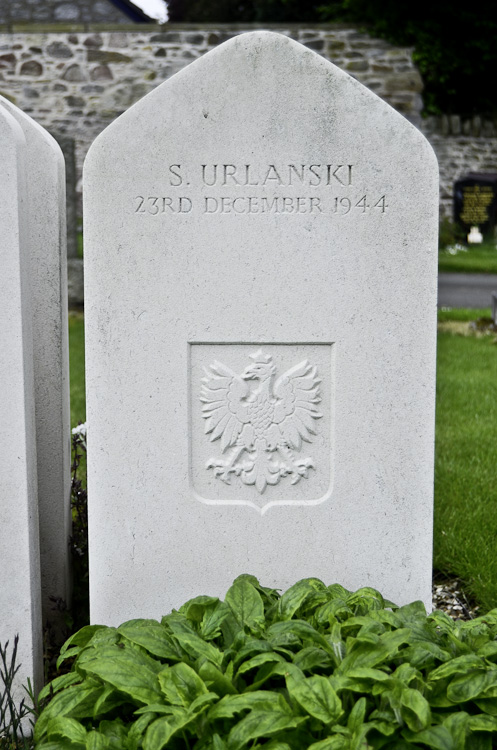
point(261, 423)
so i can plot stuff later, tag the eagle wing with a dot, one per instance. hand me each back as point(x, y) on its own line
point(297, 392)
point(222, 395)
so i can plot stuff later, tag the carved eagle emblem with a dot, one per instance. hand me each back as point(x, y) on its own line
point(260, 427)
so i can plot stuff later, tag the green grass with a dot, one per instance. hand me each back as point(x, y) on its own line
point(477, 259)
point(465, 540)
point(77, 367)
point(466, 451)
point(463, 313)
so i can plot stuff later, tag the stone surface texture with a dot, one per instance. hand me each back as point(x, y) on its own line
point(20, 600)
point(44, 218)
point(279, 280)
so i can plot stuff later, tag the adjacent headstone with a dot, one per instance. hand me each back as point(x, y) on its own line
point(44, 219)
point(20, 604)
point(258, 399)
point(475, 203)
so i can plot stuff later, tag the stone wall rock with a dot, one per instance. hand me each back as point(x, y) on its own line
point(50, 11)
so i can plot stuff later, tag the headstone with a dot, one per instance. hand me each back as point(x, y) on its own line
point(44, 218)
point(258, 400)
point(20, 604)
point(475, 202)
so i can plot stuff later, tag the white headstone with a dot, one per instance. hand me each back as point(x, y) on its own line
point(20, 601)
point(46, 242)
point(258, 398)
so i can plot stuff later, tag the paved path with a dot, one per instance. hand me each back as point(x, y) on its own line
point(466, 289)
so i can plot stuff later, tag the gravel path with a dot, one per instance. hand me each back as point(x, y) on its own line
point(449, 596)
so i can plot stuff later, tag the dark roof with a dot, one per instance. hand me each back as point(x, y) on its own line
point(133, 11)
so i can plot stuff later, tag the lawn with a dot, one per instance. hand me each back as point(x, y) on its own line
point(471, 259)
point(466, 450)
point(77, 367)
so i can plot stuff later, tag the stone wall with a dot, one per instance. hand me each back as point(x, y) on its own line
point(53, 11)
point(461, 146)
point(75, 80)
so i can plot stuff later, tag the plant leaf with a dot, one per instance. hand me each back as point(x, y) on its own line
point(66, 729)
point(152, 636)
point(437, 737)
point(310, 657)
point(296, 595)
point(357, 715)
point(58, 684)
point(467, 687)
point(260, 724)
point(459, 665)
point(246, 604)
point(316, 696)
point(96, 741)
point(77, 701)
point(415, 709)
point(192, 644)
point(482, 723)
point(261, 700)
point(259, 659)
point(127, 669)
point(181, 684)
point(161, 730)
point(215, 679)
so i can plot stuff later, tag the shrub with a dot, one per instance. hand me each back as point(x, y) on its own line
point(318, 667)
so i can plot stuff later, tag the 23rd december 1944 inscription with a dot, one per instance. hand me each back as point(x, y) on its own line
point(230, 178)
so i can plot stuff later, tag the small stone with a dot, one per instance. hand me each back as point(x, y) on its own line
point(161, 52)
point(166, 36)
point(101, 73)
point(357, 65)
point(66, 12)
point(93, 41)
point(107, 56)
point(118, 39)
point(75, 101)
point(59, 49)
point(317, 45)
point(30, 93)
point(31, 68)
point(194, 39)
point(92, 88)
point(7, 61)
point(74, 74)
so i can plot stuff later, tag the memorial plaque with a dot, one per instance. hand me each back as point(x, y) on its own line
point(258, 401)
point(475, 202)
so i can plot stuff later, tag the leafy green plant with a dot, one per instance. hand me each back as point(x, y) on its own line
point(319, 667)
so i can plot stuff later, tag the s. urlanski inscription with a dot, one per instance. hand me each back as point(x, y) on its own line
point(260, 427)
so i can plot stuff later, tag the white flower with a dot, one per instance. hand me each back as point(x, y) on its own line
point(80, 431)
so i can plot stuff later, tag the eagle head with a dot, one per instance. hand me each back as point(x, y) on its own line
point(261, 368)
